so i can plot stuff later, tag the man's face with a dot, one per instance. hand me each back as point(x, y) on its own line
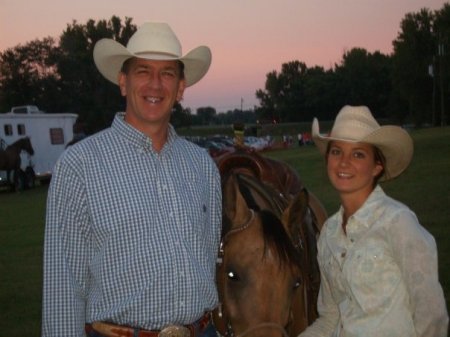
point(151, 88)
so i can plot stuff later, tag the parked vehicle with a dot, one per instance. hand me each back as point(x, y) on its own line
point(257, 143)
point(49, 134)
point(216, 145)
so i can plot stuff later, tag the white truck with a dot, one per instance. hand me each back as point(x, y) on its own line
point(49, 134)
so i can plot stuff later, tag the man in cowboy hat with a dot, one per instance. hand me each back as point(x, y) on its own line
point(134, 212)
point(378, 265)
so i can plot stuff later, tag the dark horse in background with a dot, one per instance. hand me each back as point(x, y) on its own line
point(267, 274)
point(10, 159)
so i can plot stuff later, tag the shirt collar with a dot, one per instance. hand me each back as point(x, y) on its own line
point(360, 219)
point(138, 138)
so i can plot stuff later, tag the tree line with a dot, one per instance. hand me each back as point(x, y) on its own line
point(411, 85)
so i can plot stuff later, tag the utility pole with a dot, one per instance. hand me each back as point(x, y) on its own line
point(431, 69)
point(441, 53)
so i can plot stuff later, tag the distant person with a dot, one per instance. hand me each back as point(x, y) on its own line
point(379, 274)
point(300, 139)
point(134, 212)
point(307, 138)
point(285, 141)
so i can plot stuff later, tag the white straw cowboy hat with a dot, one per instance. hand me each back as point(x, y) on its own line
point(152, 41)
point(356, 124)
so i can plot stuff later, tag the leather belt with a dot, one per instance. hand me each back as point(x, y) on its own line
point(107, 329)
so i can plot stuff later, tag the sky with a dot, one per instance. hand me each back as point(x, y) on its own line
point(248, 38)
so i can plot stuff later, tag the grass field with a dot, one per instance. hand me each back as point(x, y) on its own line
point(425, 187)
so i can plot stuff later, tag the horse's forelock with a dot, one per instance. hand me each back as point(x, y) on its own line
point(276, 237)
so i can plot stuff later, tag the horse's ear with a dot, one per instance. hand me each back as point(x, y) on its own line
point(294, 213)
point(234, 206)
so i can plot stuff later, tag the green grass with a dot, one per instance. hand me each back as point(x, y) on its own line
point(424, 187)
point(21, 237)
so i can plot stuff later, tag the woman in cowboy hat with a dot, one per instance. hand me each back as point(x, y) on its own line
point(134, 212)
point(378, 264)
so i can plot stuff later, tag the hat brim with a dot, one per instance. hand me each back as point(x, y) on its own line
point(109, 56)
point(393, 141)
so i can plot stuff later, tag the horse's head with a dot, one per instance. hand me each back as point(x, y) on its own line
point(260, 270)
point(25, 144)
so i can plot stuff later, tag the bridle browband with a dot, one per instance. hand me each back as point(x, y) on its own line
point(245, 225)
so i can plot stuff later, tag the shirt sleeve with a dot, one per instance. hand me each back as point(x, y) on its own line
point(415, 252)
point(65, 255)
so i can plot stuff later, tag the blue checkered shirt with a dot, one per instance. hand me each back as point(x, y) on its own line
point(131, 234)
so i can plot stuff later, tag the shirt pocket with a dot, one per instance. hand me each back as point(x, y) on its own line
point(369, 263)
point(375, 275)
point(195, 199)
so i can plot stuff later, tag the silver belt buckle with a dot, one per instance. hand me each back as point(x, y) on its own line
point(175, 331)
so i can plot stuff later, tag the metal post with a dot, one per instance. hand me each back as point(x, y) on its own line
point(441, 81)
point(433, 96)
point(441, 53)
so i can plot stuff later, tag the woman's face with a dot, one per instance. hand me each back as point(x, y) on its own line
point(352, 168)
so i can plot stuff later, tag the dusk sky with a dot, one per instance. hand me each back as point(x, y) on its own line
point(248, 38)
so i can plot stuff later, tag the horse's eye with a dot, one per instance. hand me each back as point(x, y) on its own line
point(232, 276)
point(297, 284)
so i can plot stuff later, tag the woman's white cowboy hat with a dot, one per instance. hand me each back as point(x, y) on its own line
point(152, 41)
point(356, 124)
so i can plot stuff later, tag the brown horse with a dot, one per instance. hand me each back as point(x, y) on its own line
point(267, 276)
point(10, 157)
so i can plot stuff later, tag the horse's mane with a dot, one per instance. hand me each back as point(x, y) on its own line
point(275, 236)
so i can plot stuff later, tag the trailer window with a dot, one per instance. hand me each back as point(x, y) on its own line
point(56, 136)
point(8, 129)
point(21, 129)
point(20, 110)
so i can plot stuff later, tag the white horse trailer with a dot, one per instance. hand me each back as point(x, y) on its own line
point(49, 134)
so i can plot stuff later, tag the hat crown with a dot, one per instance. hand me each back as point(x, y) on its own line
point(354, 123)
point(152, 41)
point(155, 38)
